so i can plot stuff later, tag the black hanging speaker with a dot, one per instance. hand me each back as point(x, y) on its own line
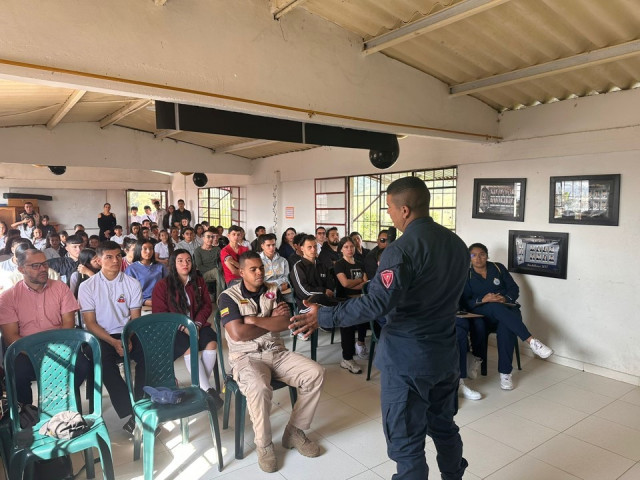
point(57, 169)
point(200, 179)
point(385, 158)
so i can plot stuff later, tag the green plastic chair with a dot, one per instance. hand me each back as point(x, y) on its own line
point(53, 355)
point(231, 387)
point(156, 333)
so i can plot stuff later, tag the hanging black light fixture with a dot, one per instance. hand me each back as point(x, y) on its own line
point(200, 179)
point(57, 169)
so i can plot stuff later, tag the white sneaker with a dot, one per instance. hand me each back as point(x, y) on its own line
point(473, 364)
point(540, 348)
point(350, 365)
point(506, 383)
point(361, 351)
point(468, 393)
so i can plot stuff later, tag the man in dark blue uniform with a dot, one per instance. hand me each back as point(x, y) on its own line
point(417, 287)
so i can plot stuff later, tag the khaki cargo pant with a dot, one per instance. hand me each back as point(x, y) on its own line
point(253, 373)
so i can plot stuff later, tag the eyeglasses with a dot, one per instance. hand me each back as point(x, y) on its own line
point(479, 255)
point(37, 266)
point(382, 240)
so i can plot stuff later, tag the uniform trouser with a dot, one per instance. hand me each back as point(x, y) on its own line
point(478, 331)
point(348, 342)
point(113, 381)
point(25, 374)
point(414, 407)
point(254, 372)
point(509, 325)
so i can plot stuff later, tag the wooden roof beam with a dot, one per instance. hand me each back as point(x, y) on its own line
point(65, 108)
point(166, 133)
point(443, 18)
point(280, 11)
point(128, 109)
point(245, 146)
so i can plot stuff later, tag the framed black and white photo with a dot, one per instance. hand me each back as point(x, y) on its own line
point(499, 198)
point(538, 253)
point(585, 199)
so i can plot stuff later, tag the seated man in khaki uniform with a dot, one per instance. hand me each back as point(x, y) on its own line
point(253, 314)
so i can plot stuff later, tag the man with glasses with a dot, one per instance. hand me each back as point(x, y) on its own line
point(109, 300)
point(36, 304)
point(321, 237)
point(371, 260)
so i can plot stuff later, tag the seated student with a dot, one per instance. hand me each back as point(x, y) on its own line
point(351, 277)
point(255, 245)
point(145, 234)
point(88, 266)
point(199, 230)
point(243, 240)
point(3, 234)
point(222, 240)
point(117, 237)
point(230, 254)
point(134, 217)
point(145, 269)
point(164, 248)
point(253, 314)
point(63, 237)
point(321, 237)
point(68, 264)
point(184, 291)
point(492, 292)
point(294, 257)
point(330, 253)
point(188, 241)
point(175, 236)
point(78, 227)
point(11, 263)
point(108, 300)
point(84, 237)
point(155, 232)
point(45, 226)
point(184, 223)
point(36, 238)
point(53, 247)
point(94, 241)
point(361, 251)
point(26, 229)
point(128, 249)
point(134, 229)
point(371, 260)
point(276, 268)
point(148, 215)
point(36, 304)
point(207, 260)
point(286, 243)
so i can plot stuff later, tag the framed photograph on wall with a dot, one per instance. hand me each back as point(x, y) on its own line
point(499, 198)
point(585, 199)
point(538, 253)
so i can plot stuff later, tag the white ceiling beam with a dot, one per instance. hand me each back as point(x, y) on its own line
point(443, 18)
point(128, 109)
point(562, 65)
point(166, 133)
point(65, 108)
point(279, 12)
point(245, 146)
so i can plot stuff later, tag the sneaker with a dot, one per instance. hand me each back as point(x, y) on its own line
point(295, 438)
point(473, 364)
point(267, 458)
point(130, 426)
point(540, 348)
point(350, 365)
point(361, 351)
point(217, 400)
point(303, 338)
point(468, 393)
point(506, 383)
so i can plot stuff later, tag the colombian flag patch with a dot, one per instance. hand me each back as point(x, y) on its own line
point(224, 312)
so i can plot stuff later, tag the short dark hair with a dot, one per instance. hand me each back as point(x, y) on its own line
point(156, 202)
point(44, 217)
point(117, 227)
point(134, 208)
point(332, 229)
point(235, 228)
point(383, 231)
point(248, 255)
point(343, 241)
point(106, 246)
point(180, 200)
point(22, 251)
point(106, 204)
point(299, 238)
point(94, 237)
point(74, 239)
point(147, 206)
point(480, 246)
point(185, 229)
point(127, 242)
point(320, 227)
point(75, 227)
point(259, 227)
point(21, 243)
point(265, 237)
point(411, 192)
point(353, 234)
point(307, 238)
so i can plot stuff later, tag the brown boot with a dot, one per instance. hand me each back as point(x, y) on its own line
point(267, 458)
point(295, 438)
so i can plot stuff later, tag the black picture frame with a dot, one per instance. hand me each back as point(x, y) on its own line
point(499, 198)
point(538, 253)
point(585, 199)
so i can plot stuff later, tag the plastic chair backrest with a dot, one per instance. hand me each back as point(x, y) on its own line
point(218, 327)
point(156, 333)
point(53, 354)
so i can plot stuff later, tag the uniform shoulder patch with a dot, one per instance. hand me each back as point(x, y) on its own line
point(387, 278)
point(224, 312)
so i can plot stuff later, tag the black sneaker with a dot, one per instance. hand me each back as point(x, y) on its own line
point(217, 400)
point(130, 426)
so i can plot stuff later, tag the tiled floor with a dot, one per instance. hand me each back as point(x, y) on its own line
point(558, 424)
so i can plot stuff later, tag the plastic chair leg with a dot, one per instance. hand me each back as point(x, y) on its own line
point(184, 427)
point(241, 408)
point(372, 349)
point(137, 441)
point(89, 463)
point(226, 408)
point(215, 434)
point(216, 378)
point(106, 460)
point(333, 334)
point(148, 443)
point(314, 345)
point(18, 465)
point(295, 341)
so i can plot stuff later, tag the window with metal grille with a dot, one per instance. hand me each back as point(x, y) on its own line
point(367, 199)
point(219, 206)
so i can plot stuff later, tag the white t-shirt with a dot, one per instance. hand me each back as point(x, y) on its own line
point(117, 239)
point(111, 300)
point(51, 253)
point(162, 250)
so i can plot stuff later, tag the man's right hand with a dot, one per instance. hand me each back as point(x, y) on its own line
point(117, 344)
point(282, 309)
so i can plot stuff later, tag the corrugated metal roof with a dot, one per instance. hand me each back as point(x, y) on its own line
point(512, 35)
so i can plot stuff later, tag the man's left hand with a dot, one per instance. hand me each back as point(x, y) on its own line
point(305, 323)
